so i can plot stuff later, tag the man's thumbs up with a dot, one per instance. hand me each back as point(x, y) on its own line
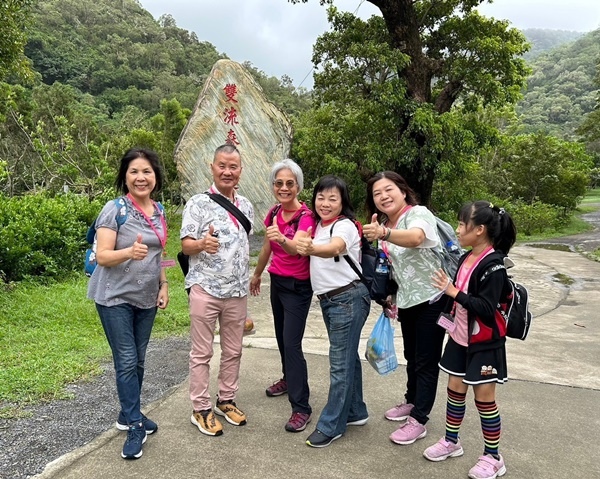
point(211, 241)
point(139, 238)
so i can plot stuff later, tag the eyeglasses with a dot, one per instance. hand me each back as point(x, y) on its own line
point(289, 184)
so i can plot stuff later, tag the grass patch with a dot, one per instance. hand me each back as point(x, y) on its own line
point(592, 196)
point(563, 279)
point(51, 334)
point(573, 226)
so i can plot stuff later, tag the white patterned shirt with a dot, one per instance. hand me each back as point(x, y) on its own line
point(224, 274)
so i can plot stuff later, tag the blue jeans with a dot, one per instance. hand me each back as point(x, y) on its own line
point(128, 329)
point(344, 315)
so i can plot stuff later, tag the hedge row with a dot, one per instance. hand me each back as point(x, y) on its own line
point(43, 236)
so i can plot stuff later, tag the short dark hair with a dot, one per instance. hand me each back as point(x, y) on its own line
point(329, 182)
point(134, 154)
point(411, 196)
point(227, 148)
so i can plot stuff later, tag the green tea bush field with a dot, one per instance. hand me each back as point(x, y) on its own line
point(43, 236)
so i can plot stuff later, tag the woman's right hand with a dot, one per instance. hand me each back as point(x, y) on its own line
point(255, 285)
point(373, 230)
point(304, 242)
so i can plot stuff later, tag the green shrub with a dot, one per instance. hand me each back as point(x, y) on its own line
point(534, 218)
point(43, 236)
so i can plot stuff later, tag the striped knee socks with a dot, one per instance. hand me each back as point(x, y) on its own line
point(491, 426)
point(455, 412)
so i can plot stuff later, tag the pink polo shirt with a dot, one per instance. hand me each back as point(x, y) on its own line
point(284, 264)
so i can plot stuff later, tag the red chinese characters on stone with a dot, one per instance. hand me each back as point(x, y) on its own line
point(231, 116)
point(230, 92)
point(232, 138)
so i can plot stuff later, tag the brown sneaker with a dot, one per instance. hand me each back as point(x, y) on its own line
point(207, 422)
point(230, 412)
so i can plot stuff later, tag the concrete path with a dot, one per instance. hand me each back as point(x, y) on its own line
point(549, 407)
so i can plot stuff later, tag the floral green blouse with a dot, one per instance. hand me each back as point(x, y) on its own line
point(412, 268)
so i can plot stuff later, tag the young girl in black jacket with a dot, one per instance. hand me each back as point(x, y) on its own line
point(475, 354)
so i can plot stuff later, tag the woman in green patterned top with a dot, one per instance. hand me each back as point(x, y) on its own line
point(408, 233)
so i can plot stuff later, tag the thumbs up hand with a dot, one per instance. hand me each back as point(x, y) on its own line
point(210, 241)
point(304, 242)
point(139, 250)
point(273, 232)
point(373, 230)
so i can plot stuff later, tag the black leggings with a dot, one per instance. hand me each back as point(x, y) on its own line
point(290, 302)
point(423, 340)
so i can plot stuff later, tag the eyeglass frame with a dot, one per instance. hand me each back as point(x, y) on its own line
point(280, 184)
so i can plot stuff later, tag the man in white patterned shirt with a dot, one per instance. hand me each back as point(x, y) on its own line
point(218, 247)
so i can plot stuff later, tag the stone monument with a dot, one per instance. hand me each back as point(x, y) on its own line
point(232, 108)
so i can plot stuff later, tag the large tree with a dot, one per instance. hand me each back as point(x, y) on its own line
point(13, 20)
point(391, 92)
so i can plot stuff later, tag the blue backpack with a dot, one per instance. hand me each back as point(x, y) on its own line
point(90, 253)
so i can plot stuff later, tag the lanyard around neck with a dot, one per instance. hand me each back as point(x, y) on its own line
point(163, 238)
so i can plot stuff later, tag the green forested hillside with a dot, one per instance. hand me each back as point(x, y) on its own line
point(116, 51)
point(542, 40)
point(107, 76)
point(561, 89)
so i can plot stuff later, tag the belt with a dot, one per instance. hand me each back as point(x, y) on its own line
point(335, 292)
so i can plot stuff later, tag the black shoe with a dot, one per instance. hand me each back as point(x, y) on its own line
point(318, 439)
point(136, 436)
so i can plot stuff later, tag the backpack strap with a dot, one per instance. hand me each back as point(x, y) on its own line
point(90, 236)
point(490, 270)
point(347, 257)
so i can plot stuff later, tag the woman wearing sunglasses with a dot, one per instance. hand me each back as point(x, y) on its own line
point(291, 291)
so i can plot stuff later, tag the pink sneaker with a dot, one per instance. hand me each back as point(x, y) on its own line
point(488, 468)
point(442, 450)
point(409, 432)
point(399, 412)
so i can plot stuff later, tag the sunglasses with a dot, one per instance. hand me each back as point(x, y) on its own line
point(289, 183)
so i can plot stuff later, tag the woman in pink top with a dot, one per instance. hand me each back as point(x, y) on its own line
point(291, 291)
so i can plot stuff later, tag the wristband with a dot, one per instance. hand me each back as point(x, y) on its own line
point(387, 235)
point(161, 283)
point(382, 236)
point(281, 243)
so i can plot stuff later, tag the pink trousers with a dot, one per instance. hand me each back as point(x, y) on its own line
point(204, 312)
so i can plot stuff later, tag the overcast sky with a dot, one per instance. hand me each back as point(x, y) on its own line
point(277, 37)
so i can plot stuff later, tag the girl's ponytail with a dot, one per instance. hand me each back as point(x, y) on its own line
point(500, 227)
point(506, 234)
